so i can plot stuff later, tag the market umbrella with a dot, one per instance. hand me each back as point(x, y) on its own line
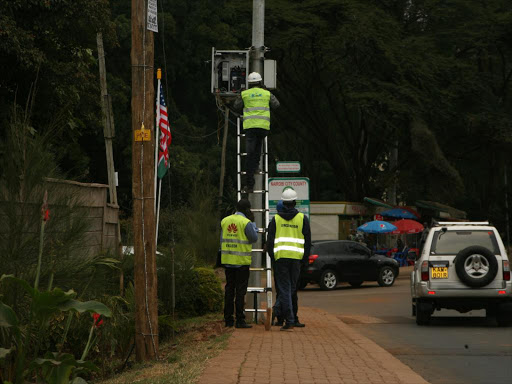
point(398, 213)
point(377, 226)
point(407, 226)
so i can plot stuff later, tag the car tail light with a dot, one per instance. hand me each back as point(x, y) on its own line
point(506, 270)
point(424, 271)
point(502, 292)
point(431, 292)
point(312, 258)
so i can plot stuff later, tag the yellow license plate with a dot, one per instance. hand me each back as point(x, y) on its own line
point(439, 272)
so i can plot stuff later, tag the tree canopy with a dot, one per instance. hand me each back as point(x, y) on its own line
point(355, 78)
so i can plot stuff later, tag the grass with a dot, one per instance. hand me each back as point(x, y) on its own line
point(183, 359)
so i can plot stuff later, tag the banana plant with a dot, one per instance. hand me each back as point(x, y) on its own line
point(53, 367)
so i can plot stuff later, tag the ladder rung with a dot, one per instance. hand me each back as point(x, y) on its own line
point(262, 230)
point(260, 269)
point(260, 210)
point(257, 289)
point(245, 153)
point(257, 250)
point(256, 173)
point(257, 310)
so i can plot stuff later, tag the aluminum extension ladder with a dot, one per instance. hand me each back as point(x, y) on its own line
point(262, 196)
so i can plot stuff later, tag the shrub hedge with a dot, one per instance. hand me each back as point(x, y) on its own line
point(198, 291)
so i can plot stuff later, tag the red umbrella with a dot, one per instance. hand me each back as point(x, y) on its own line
point(407, 226)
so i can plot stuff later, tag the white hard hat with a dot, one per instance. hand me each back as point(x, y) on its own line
point(254, 77)
point(289, 195)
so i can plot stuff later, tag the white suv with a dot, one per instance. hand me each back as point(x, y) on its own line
point(462, 266)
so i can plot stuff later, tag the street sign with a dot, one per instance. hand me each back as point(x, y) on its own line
point(152, 19)
point(276, 186)
point(288, 166)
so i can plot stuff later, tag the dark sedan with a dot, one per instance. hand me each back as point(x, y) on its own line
point(335, 261)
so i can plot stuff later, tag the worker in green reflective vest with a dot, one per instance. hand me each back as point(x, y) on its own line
point(238, 233)
point(256, 102)
point(288, 244)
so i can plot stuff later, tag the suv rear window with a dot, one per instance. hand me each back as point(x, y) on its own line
point(452, 242)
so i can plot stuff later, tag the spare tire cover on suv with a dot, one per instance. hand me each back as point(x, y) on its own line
point(476, 266)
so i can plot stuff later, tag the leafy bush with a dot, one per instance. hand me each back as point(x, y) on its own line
point(198, 291)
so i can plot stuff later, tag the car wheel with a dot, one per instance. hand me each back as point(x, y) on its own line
point(355, 283)
point(302, 284)
point(387, 276)
point(328, 280)
point(423, 313)
point(476, 266)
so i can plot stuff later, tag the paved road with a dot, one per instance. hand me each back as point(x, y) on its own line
point(454, 349)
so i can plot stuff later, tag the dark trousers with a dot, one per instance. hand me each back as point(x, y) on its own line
point(253, 143)
point(295, 302)
point(287, 272)
point(237, 280)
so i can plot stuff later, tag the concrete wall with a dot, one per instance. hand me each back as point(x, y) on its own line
point(101, 218)
point(329, 219)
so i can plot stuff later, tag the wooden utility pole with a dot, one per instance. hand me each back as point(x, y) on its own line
point(223, 156)
point(109, 134)
point(108, 121)
point(143, 184)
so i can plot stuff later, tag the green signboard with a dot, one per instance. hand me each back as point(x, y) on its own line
point(276, 186)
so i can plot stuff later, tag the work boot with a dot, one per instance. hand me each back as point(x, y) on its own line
point(279, 322)
point(229, 324)
point(298, 324)
point(286, 327)
point(242, 324)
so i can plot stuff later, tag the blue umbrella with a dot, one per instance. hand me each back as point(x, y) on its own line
point(399, 213)
point(377, 226)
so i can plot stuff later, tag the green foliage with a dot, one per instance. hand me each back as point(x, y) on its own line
point(198, 292)
point(47, 47)
point(44, 305)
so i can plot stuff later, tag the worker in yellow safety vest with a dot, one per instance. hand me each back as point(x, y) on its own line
point(238, 232)
point(256, 102)
point(288, 244)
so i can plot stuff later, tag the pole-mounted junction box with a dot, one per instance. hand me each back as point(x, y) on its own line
point(230, 70)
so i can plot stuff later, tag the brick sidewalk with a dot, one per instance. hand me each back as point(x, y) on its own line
point(326, 351)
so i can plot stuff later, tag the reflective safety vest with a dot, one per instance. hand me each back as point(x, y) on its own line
point(235, 246)
point(256, 108)
point(289, 241)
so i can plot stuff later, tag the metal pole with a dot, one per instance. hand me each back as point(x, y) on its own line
point(506, 207)
point(256, 65)
point(393, 163)
point(258, 36)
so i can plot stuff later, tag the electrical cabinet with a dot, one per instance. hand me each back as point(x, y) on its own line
point(270, 79)
point(229, 72)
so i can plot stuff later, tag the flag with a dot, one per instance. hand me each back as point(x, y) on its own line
point(165, 133)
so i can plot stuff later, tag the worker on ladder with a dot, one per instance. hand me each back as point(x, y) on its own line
point(289, 244)
point(238, 232)
point(256, 103)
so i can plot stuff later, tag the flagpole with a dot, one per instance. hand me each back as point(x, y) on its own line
point(158, 210)
point(157, 127)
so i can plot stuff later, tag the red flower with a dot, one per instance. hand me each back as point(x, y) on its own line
point(97, 320)
point(46, 215)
